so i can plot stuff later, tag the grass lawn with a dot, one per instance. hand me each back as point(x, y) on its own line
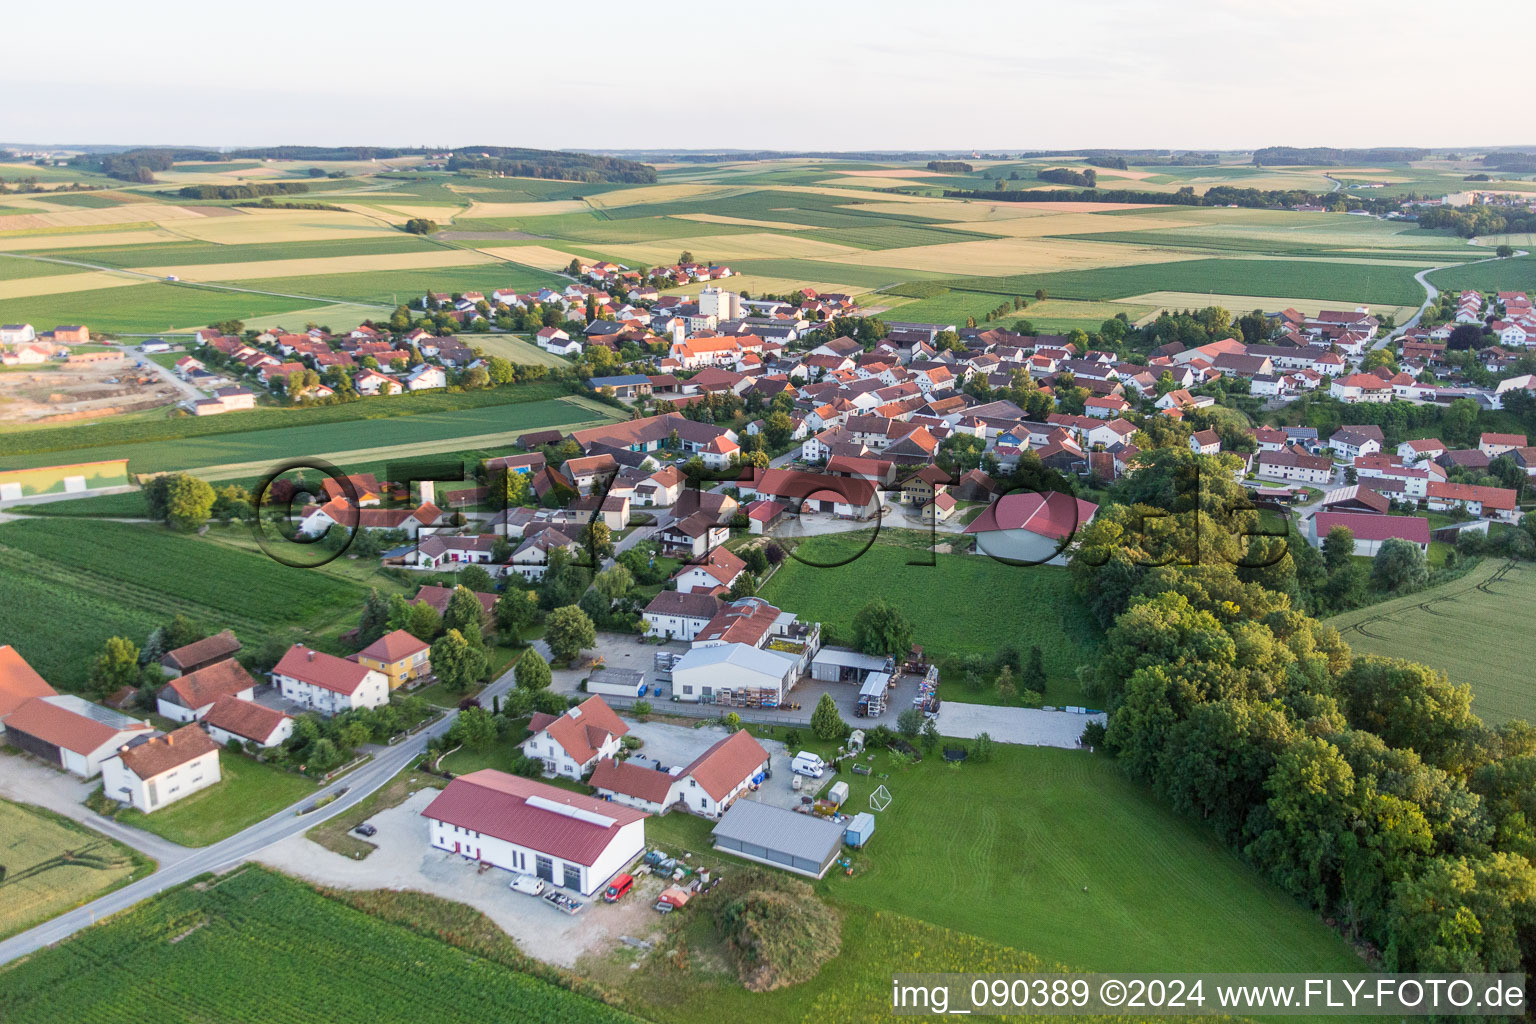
point(498, 755)
point(960, 604)
point(53, 864)
point(1062, 857)
point(193, 952)
point(336, 834)
point(248, 792)
point(1474, 629)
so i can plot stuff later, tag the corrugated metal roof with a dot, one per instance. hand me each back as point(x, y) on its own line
point(774, 828)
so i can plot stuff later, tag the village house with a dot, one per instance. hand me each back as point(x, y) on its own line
point(149, 774)
point(1300, 467)
point(252, 724)
point(707, 786)
point(401, 657)
point(328, 684)
point(187, 698)
point(1488, 502)
point(717, 571)
point(571, 744)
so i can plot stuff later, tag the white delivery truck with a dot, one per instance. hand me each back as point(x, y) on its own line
point(807, 763)
point(528, 885)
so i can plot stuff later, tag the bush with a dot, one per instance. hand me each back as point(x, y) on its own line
point(641, 708)
point(776, 929)
point(982, 749)
point(631, 742)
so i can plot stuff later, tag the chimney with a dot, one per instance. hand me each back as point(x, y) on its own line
point(311, 655)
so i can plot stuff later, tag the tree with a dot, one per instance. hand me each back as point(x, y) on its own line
point(532, 672)
point(1007, 689)
point(569, 631)
point(188, 502)
point(464, 609)
point(457, 664)
point(515, 610)
point(375, 618)
point(1465, 336)
point(1504, 252)
point(475, 578)
point(115, 667)
point(1034, 670)
point(181, 631)
point(982, 749)
point(1399, 567)
point(1338, 548)
point(421, 226)
point(826, 723)
point(475, 727)
point(599, 537)
point(910, 722)
point(613, 582)
point(879, 628)
point(415, 617)
point(930, 736)
point(732, 721)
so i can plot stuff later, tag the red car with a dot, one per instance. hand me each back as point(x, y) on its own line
point(620, 886)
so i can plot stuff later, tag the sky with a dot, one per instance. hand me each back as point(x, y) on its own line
point(790, 75)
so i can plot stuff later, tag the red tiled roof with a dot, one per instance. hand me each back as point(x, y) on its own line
point(437, 597)
point(723, 766)
point(1491, 497)
point(532, 814)
point(1370, 526)
point(582, 729)
point(205, 686)
point(244, 718)
point(393, 647)
point(323, 670)
point(220, 645)
point(632, 780)
point(19, 683)
point(62, 727)
point(162, 753)
point(1056, 516)
point(745, 621)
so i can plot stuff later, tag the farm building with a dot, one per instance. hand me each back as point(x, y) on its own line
point(201, 654)
point(188, 698)
point(707, 786)
point(19, 682)
point(771, 835)
point(1370, 529)
point(151, 773)
point(245, 720)
point(77, 478)
point(733, 674)
point(71, 732)
point(571, 744)
point(616, 682)
point(844, 665)
point(1033, 528)
point(568, 839)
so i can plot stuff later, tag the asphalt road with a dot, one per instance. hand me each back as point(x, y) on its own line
point(386, 764)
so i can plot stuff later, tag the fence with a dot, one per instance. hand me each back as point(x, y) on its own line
point(714, 712)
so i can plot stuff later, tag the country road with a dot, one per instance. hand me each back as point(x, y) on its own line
point(1431, 293)
point(386, 764)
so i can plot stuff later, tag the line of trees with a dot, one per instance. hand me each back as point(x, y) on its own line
point(1088, 178)
point(253, 190)
point(1363, 786)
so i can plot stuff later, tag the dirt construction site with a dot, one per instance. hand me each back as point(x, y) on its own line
point(60, 391)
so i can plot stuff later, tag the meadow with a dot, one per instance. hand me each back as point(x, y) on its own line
point(53, 864)
point(1517, 274)
point(1476, 630)
point(192, 954)
point(68, 585)
point(960, 604)
point(247, 792)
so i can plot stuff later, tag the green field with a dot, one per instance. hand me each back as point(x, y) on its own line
point(1065, 858)
point(393, 287)
point(68, 585)
point(167, 254)
point(1518, 274)
point(1476, 630)
point(53, 864)
point(153, 306)
point(960, 604)
point(280, 443)
point(247, 792)
point(255, 946)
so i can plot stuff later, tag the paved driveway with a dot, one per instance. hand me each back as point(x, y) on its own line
point(405, 860)
point(1028, 727)
point(677, 745)
point(618, 650)
point(27, 781)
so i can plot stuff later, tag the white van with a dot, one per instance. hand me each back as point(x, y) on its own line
point(807, 763)
point(528, 885)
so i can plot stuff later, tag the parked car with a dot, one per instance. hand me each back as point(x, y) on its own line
point(807, 763)
point(366, 829)
point(528, 885)
point(619, 888)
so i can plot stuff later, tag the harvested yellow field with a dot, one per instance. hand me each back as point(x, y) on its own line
point(322, 265)
point(88, 239)
point(1243, 303)
point(158, 213)
point(1057, 223)
point(715, 218)
point(644, 194)
point(854, 195)
point(956, 209)
point(537, 256)
point(753, 245)
point(53, 864)
point(1003, 256)
point(895, 172)
point(478, 209)
point(398, 215)
point(258, 225)
point(885, 182)
point(58, 284)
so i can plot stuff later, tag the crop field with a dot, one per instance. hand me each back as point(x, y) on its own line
point(68, 585)
point(291, 442)
point(1518, 274)
point(953, 601)
point(53, 864)
point(844, 225)
point(192, 954)
point(247, 792)
point(1476, 630)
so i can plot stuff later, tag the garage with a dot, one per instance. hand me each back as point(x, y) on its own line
point(779, 838)
point(845, 665)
